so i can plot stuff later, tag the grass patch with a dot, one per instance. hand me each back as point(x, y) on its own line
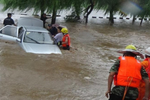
point(1, 1)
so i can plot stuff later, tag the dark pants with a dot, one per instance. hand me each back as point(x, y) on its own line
point(115, 97)
point(67, 47)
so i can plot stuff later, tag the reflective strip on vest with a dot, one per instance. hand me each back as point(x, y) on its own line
point(129, 71)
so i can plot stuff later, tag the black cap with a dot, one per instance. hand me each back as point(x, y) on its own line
point(9, 14)
point(49, 25)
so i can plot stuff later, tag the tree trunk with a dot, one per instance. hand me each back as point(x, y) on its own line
point(42, 11)
point(77, 15)
point(77, 12)
point(111, 18)
point(141, 22)
point(54, 16)
point(91, 6)
point(133, 20)
point(86, 19)
point(42, 7)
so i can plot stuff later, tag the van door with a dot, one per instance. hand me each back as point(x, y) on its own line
point(9, 33)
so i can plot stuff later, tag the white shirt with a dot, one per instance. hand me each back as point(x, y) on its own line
point(58, 37)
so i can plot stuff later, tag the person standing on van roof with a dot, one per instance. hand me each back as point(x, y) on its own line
point(8, 20)
point(43, 18)
point(127, 73)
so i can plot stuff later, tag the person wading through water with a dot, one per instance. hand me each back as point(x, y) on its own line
point(146, 65)
point(65, 39)
point(127, 73)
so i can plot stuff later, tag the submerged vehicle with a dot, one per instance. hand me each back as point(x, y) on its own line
point(31, 36)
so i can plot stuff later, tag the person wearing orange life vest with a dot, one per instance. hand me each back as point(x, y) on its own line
point(129, 74)
point(65, 39)
point(146, 65)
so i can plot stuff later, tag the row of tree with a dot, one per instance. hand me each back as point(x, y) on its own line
point(78, 7)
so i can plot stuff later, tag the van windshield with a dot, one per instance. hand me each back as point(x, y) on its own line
point(38, 37)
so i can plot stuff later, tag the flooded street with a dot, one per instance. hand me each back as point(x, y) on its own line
point(78, 74)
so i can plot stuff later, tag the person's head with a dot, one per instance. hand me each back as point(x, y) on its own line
point(49, 26)
point(64, 30)
point(44, 15)
point(9, 14)
point(147, 53)
point(131, 50)
point(128, 53)
point(59, 29)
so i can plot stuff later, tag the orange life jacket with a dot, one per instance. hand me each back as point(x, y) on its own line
point(129, 73)
point(148, 67)
point(64, 39)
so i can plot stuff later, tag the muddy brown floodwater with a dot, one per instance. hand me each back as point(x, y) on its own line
point(78, 74)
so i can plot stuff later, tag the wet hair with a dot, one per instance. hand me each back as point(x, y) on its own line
point(146, 56)
point(50, 25)
point(59, 28)
point(129, 54)
point(9, 14)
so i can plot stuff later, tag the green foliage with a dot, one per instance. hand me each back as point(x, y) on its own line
point(145, 4)
point(1, 1)
point(17, 4)
point(108, 5)
point(77, 6)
